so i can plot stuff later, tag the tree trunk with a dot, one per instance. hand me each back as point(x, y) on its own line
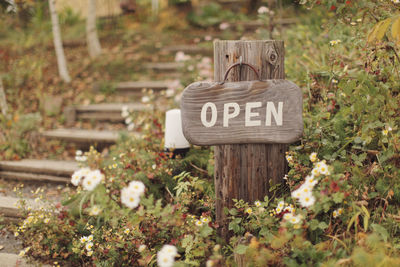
point(3, 102)
point(245, 171)
point(62, 64)
point(93, 42)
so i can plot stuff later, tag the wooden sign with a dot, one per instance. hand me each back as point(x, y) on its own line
point(245, 112)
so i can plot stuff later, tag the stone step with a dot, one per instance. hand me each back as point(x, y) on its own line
point(83, 137)
point(187, 49)
point(14, 260)
point(165, 66)
point(52, 168)
point(101, 112)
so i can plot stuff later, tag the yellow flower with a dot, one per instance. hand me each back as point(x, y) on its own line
point(89, 253)
point(335, 42)
point(199, 223)
point(249, 211)
point(385, 132)
point(127, 231)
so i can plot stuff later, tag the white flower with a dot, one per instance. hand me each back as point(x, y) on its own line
point(163, 260)
point(166, 256)
point(313, 157)
point(128, 120)
point(127, 231)
point(287, 216)
point(145, 99)
point(199, 223)
point(169, 250)
point(89, 246)
point(141, 248)
point(95, 210)
point(263, 10)
point(92, 179)
point(335, 42)
point(295, 219)
point(315, 172)
point(257, 203)
point(180, 56)
point(322, 168)
point(131, 126)
point(224, 26)
point(307, 200)
point(205, 219)
point(281, 204)
point(78, 153)
point(289, 159)
point(78, 175)
point(124, 111)
point(138, 187)
point(84, 239)
point(208, 38)
point(129, 197)
point(311, 181)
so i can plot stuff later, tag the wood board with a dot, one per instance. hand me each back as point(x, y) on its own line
point(270, 111)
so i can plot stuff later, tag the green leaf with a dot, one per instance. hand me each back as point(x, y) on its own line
point(240, 249)
point(381, 231)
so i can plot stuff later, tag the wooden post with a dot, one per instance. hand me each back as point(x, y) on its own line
point(3, 102)
point(244, 171)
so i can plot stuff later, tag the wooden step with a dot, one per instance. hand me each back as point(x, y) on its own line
point(165, 66)
point(9, 207)
point(80, 136)
point(34, 177)
point(101, 112)
point(187, 49)
point(136, 87)
point(14, 260)
point(52, 168)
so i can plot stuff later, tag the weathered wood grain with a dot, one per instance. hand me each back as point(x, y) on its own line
point(235, 130)
point(244, 171)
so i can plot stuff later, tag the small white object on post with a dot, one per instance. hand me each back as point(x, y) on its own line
point(175, 141)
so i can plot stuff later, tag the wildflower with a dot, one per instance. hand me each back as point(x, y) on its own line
point(124, 111)
point(205, 219)
point(208, 38)
point(335, 81)
point(127, 231)
point(335, 42)
point(281, 204)
point(278, 210)
point(141, 248)
point(89, 253)
point(249, 210)
point(78, 175)
point(129, 197)
point(84, 239)
point(287, 216)
point(315, 172)
point(78, 153)
point(137, 187)
point(313, 157)
point(131, 126)
point(166, 256)
point(92, 180)
point(311, 181)
point(89, 246)
point(385, 132)
point(224, 26)
point(21, 253)
point(94, 211)
point(257, 203)
point(209, 263)
point(322, 168)
point(199, 223)
point(180, 56)
point(289, 158)
point(145, 99)
point(263, 10)
point(307, 200)
point(128, 120)
point(46, 221)
point(295, 219)
point(16, 234)
point(396, 1)
point(335, 213)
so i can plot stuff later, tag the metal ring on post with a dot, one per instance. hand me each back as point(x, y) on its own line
point(239, 64)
